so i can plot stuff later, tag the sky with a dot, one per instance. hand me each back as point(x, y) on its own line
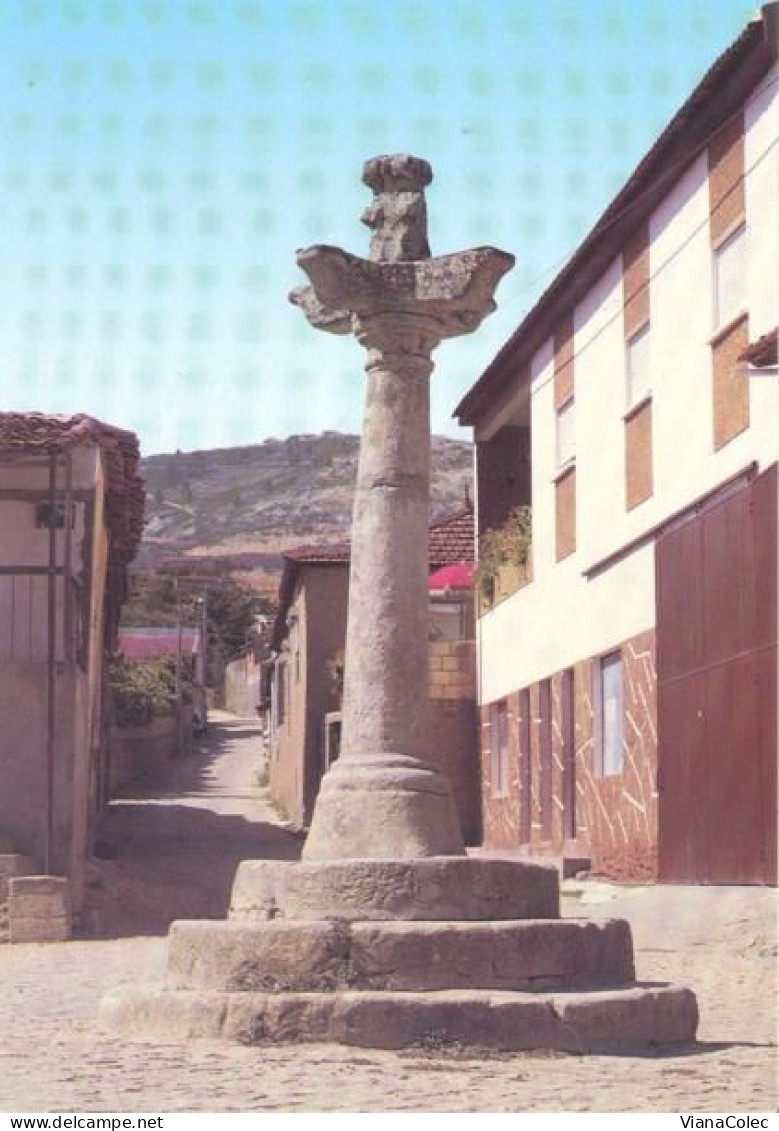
point(164, 159)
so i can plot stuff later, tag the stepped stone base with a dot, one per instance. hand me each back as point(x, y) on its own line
point(433, 887)
point(390, 953)
point(380, 955)
point(600, 1021)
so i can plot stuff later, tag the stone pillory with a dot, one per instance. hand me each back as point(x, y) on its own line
point(387, 932)
point(383, 798)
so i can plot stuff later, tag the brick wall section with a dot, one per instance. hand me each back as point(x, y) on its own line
point(565, 514)
point(453, 727)
point(638, 455)
point(619, 813)
point(636, 293)
point(730, 386)
point(616, 817)
point(635, 281)
point(726, 177)
point(563, 360)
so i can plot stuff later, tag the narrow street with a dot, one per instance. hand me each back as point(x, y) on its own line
point(170, 846)
point(170, 850)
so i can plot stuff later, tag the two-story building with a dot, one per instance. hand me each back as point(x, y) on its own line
point(304, 677)
point(71, 517)
point(627, 687)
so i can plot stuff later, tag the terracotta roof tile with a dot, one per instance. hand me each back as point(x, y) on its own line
point(451, 542)
point(125, 495)
point(763, 352)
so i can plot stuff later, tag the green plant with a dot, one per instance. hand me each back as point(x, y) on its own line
point(143, 691)
point(509, 544)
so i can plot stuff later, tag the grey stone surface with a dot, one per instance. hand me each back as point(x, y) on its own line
point(271, 956)
point(38, 896)
point(616, 1020)
point(383, 798)
point(518, 955)
point(14, 864)
point(443, 888)
point(50, 928)
point(279, 955)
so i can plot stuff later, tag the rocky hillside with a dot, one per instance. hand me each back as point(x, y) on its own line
point(248, 504)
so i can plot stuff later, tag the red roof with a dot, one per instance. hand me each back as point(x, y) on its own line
point(125, 495)
point(761, 353)
point(452, 538)
point(451, 541)
point(451, 544)
point(458, 576)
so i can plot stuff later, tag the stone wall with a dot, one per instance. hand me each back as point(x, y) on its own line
point(615, 816)
point(136, 752)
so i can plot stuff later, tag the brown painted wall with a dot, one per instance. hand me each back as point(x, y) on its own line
point(635, 281)
point(616, 816)
point(565, 514)
point(730, 390)
point(726, 177)
point(563, 360)
point(638, 455)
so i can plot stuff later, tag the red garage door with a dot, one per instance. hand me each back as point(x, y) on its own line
point(716, 671)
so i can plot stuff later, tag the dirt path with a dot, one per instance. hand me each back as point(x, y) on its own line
point(169, 848)
point(176, 850)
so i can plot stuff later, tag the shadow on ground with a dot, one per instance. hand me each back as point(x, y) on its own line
point(168, 848)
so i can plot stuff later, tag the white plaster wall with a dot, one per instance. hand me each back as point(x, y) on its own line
point(561, 617)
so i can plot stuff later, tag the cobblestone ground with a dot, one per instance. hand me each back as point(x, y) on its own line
point(54, 1057)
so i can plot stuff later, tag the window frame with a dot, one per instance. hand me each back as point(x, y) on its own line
point(499, 749)
point(736, 234)
point(634, 398)
point(605, 764)
point(564, 461)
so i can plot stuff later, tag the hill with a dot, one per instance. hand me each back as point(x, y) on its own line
point(236, 509)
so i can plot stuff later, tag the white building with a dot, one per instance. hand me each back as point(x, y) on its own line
point(625, 410)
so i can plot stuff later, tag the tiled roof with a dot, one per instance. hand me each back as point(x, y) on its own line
point(763, 352)
point(319, 555)
point(451, 542)
point(452, 539)
point(125, 495)
point(720, 93)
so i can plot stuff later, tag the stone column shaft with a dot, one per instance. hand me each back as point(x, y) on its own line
point(406, 806)
point(382, 799)
point(385, 700)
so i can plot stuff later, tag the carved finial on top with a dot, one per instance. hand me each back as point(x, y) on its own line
point(398, 214)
